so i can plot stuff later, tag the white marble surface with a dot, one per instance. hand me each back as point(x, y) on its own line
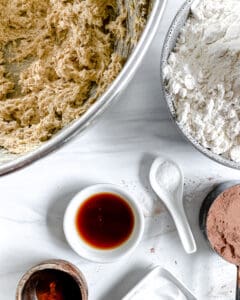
point(119, 149)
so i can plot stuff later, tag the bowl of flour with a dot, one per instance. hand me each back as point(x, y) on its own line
point(200, 74)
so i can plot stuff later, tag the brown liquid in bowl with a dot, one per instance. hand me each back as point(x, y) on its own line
point(50, 284)
point(105, 221)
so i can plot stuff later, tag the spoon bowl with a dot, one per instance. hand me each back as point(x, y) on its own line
point(167, 181)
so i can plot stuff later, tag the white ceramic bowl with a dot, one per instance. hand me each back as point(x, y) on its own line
point(84, 249)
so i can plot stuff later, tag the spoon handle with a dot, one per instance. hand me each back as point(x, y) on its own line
point(184, 229)
point(238, 284)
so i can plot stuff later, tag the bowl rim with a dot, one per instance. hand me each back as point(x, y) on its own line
point(208, 201)
point(102, 255)
point(185, 9)
point(54, 264)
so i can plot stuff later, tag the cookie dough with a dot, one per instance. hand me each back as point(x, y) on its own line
point(56, 58)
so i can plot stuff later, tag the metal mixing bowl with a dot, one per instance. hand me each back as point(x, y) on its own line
point(169, 44)
point(9, 163)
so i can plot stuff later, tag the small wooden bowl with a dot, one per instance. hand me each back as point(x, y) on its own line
point(26, 289)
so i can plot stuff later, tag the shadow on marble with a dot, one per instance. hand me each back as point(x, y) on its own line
point(19, 262)
point(155, 206)
point(193, 199)
point(57, 207)
point(125, 283)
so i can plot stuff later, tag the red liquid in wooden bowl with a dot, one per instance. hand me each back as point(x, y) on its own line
point(105, 221)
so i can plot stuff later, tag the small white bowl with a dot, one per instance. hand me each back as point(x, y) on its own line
point(101, 255)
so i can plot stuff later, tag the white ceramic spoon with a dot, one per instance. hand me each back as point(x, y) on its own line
point(167, 181)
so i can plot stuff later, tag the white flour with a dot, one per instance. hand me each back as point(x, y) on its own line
point(203, 76)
